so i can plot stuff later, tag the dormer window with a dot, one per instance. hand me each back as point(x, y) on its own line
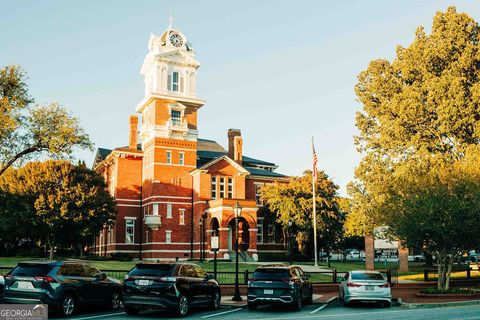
point(175, 82)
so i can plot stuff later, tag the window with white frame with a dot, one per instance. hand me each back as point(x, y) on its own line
point(214, 187)
point(181, 159)
point(168, 236)
point(259, 230)
point(155, 209)
point(222, 187)
point(169, 211)
point(129, 230)
point(169, 157)
point(181, 217)
point(176, 117)
point(175, 81)
point(230, 188)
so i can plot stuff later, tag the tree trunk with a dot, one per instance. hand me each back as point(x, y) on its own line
point(448, 273)
point(440, 274)
point(51, 248)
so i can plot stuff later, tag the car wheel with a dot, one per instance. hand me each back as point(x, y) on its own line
point(215, 304)
point(131, 311)
point(297, 304)
point(68, 305)
point(182, 308)
point(252, 306)
point(116, 300)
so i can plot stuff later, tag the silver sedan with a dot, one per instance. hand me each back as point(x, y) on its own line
point(364, 286)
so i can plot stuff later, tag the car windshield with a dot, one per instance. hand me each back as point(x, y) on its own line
point(31, 270)
point(271, 274)
point(367, 276)
point(160, 270)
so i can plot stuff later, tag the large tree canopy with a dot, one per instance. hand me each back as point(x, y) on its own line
point(51, 197)
point(421, 108)
point(294, 201)
point(27, 131)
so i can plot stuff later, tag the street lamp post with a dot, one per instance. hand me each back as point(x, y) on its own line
point(290, 234)
point(200, 223)
point(237, 210)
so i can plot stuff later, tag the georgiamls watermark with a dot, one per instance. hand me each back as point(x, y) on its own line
point(23, 312)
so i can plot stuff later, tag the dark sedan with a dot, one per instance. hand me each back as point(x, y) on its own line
point(62, 285)
point(171, 285)
point(279, 284)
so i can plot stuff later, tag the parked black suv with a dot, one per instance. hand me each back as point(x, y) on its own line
point(170, 285)
point(279, 284)
point(62, 285)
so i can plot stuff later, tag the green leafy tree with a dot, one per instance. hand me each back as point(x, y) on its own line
point(60, 197)
point(423, 107)
point(27, 131)
point(294, 201)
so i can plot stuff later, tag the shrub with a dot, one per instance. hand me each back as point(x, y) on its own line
point(121, 256)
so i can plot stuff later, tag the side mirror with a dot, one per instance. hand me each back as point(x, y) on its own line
point(210, 277)
point(102, 276)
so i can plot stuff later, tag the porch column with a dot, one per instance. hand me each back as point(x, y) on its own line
point(369, 253)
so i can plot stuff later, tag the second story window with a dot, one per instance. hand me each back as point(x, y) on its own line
point(257, 194)
point(169, 211)
point(181, 159)
point(214, 187)
point(182, 217)
point(169, 157)
point(222, 187)
point(230, 188)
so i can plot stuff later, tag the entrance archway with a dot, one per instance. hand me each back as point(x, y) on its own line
point(243, 235)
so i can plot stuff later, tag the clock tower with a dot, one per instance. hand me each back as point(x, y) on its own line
point(168, 129)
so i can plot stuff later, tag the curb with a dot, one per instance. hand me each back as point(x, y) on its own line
point(438, 304)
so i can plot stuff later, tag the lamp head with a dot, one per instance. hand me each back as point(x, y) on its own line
point(237, 210)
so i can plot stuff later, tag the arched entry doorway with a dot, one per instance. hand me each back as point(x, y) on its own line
point(243, 235)
point(214, 225)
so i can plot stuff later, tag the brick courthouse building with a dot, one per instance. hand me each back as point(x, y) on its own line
point(171, 186)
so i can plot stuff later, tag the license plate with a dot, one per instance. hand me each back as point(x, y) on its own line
point(143, 282)
point(368, 287)
point(267, 291)
point(24, 285)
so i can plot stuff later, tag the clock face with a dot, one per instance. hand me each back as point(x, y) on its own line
point(176, 40)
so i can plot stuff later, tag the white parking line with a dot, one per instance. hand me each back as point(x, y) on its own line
point(220, 313)
point(100, 316)
point(319, 308)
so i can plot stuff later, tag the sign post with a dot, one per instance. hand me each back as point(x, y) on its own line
point(214, 246)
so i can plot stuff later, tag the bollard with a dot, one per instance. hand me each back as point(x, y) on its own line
point(334, 276)
point(425, 274)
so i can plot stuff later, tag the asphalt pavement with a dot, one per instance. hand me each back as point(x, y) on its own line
point(315, 311)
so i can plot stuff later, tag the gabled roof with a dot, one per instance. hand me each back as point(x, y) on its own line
point(226, 158)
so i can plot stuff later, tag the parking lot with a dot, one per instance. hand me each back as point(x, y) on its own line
point(315, 311)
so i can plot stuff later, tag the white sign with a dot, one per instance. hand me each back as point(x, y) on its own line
point(214, 243)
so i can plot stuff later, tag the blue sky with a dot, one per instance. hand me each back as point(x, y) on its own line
point(281, 71)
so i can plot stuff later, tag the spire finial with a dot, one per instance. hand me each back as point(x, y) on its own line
point(170, 19)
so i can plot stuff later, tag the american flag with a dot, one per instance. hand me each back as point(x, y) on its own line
point(315, 161)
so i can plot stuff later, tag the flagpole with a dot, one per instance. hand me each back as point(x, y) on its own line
point(314, 217)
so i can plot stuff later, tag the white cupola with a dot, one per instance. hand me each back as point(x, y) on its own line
point(170, 66)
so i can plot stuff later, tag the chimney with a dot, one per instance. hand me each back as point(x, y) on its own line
point(237, 147)
point(133, 140)
point(232, 133)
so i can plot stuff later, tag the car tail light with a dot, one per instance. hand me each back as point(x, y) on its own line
point(353, 285)
point(8, 277)
point(45, 279)
point(386, 285)
point(251, 280)
point(127, 278)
